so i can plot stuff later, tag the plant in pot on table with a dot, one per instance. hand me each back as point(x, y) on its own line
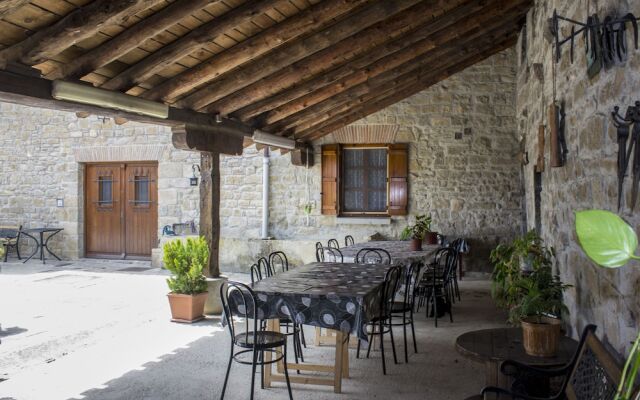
point(524, 284)
point(417, 231)
point(186, 260)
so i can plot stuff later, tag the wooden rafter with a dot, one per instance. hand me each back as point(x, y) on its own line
point(282, 57)
point(277, 35)
point(343, 51)
point(8, 6)
point(74, 27)
point(174, 51)
point(128, 40)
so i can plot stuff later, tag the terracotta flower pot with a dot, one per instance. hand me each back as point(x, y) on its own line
point(213, 305)
point(431, 238)
point(542, 338)
point(416, 245)
point(187, 308)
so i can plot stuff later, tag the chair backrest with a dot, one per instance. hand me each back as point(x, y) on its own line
point(444, 262)
point(333, 243)
point(259, 271)
point(348, 240)
point(596, 373)
point(239, 306)
point(278, 262)
point(329, 254)
point(412, 275)
point(371, 255)
point(10, 231)
point(319, 246)
point(389, 289)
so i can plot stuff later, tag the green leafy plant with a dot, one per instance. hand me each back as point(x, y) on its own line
point(526, 253)
point(307, 207)
point(186, 261)
point(611, 243)
point(418, 230)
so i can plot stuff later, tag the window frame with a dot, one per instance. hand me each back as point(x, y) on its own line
point(341, 174)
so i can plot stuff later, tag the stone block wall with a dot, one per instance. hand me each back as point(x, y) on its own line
point(606, 297)
point(39, 152)
point(471, 185)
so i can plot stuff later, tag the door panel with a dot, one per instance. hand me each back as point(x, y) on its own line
point(103, 209)
point(141, 214)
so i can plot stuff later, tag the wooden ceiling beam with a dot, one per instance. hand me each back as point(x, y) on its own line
point(187, 44)
point(453, 27)
point(284, 56)
point(128, 40)
point(306, 21)
point(351, 116)
point(343, 51)
point(80, 24)
point(9, 6)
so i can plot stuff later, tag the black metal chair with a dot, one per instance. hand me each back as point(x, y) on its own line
point(237, 297)
point(435, 286)
point(278, 261)
point(10, 239)
point(372, 255)
point(333, 243)
point(348, 240)
point(383, 320)
point(264, 266)
point(404, 307)
point(259, 271)
point(457, 246)
point(319, 246)
point(329, 254)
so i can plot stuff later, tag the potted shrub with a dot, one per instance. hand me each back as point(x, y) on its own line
point(417, 232)
point(524, 284)
point(610, 242)
point(186, 260)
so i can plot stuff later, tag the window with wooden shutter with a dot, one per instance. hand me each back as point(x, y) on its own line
point(398, 174)
point(330, 165)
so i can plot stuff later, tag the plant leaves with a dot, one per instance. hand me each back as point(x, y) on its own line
point(605, 238)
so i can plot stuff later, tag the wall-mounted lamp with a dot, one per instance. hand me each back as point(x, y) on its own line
point(193, 181)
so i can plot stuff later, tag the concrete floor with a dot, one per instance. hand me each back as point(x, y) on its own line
point(89, 330)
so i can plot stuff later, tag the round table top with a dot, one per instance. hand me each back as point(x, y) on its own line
point(501, 344)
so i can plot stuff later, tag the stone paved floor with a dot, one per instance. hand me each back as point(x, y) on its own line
point(97, 329)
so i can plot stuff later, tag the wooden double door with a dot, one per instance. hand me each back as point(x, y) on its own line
point(121, 219)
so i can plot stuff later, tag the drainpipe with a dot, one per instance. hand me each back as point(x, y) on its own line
point(265, 194)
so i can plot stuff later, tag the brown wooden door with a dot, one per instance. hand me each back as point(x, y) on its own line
point(121, 209)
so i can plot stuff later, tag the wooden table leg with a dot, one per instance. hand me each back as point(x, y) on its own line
point(279, 351)
point(268, 357)
point(337, 373)
point(345, 357)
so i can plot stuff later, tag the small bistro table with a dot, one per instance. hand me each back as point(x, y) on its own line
point(41, 242)
point(341, 297)
point(493, 346)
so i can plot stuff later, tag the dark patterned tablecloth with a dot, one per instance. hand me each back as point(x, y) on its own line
point(339, 296)
point(398, 249)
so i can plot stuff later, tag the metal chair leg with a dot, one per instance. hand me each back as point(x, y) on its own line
point(226, 377)
point(384, 364)
point(253, 370)
point(393, 344)
point(404, 330)
point(373, 330)
point(413, 334)
point(286, 371)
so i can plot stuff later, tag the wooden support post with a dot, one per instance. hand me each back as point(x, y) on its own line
point(210, 208)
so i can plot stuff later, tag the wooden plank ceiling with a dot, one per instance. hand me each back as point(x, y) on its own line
point(299, 68)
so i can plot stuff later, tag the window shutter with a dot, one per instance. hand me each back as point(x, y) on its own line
point(398, 173)
point(330, 179)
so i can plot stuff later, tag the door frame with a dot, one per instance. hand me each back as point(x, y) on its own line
point(122, 199)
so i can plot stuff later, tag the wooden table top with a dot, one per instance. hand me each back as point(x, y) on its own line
point(501, 344)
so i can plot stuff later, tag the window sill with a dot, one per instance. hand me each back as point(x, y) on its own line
point(363, 220)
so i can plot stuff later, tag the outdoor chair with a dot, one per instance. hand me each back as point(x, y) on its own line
point(593, 373)
point(237, 296)
point(400, 309)
point(318, 246)
point(329, 254)
point(434, 288)
point(333, 243)
point(381, 324)
point(348, 240)
point(10, 239)
point(265, 267)
point(371, 255)
point(458, 245)
point(278, 261)
point(259, 271)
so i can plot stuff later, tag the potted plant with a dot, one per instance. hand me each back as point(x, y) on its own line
point(531, 293)
point(417, 232)
point(186, 260)
point(610, 242)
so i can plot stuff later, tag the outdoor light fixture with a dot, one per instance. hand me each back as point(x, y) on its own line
point(273, 140)
point(193, 181)
point(85, 94)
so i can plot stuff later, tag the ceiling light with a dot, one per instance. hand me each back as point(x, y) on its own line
point(273, 140)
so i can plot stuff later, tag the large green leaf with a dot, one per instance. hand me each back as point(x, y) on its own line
point(606, 238)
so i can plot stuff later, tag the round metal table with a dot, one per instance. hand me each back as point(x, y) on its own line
point(492, 346)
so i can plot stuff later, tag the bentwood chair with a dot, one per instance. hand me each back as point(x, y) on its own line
point(278, 261)
point(348, 240)
point(319, 246)
point(381, 324)
point(239, 304)
point(404, 309)
point(10, 239)
point(435, 287)
point(329, 254)
point(371, 255)
point(333, 243)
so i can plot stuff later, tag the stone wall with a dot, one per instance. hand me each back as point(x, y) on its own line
point(39, 153)
point(471, 185)
point(607, 298)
